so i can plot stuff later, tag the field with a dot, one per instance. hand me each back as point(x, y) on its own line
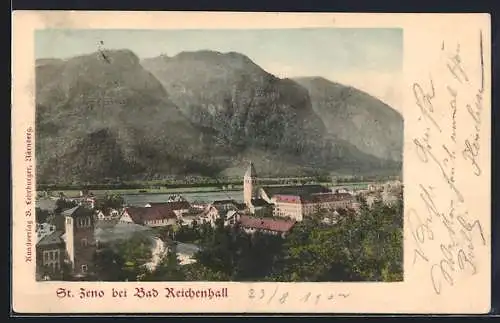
point(134, 191)
point(183, 190)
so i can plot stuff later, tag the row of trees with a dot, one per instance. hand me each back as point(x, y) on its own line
point(184, 181)
point(109, 201)
point(360, 247)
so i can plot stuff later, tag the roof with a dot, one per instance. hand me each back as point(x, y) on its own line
point(224, 202)
point(78, 210)
point(297, 190)
point(251, 171)
point(330, 197)
point(141, 214)
point(266, 223)
point(193, 212)
point(241, 206)
point(57, 220)
point(220, 203)
point(220, 209)
point(51, 239)
point(174, 205)
point(260, 202)
point(288, 198)
point(313, 198)
point(231, 214)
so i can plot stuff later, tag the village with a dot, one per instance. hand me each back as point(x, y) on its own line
point(73, 229)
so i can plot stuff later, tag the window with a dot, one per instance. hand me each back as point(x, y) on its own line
point(50, 257)
point(84, 242)
point(84, 222)
point(84, 268)
point(68, 220)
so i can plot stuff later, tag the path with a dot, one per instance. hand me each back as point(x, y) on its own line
point(158, 251)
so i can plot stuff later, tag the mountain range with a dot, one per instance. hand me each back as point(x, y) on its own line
point(109, 115)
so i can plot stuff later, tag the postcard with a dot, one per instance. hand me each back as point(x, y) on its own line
point(216, 162)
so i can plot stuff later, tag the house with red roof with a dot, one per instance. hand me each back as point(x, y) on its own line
point(297, 207)
point(251, 224)
point(290, 201)
point(152, 216)
point(178, 207)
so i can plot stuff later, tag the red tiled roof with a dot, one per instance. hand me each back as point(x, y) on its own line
point(288, 198)
point(266, 224)
point(314, 198)
point(142, 214)
point(296, 190)
point(176, 205)
point(329, 197)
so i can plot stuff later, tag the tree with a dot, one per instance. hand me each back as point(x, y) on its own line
point(186, 234)
point(135, 253)
point(109, 265)
point(360, 246)
point(41, 215)
point(169, 269)
point(217, 251)
point(368, 247)
point(256, 255)
point(110, 201)
point(199, 272)
point(376, 248)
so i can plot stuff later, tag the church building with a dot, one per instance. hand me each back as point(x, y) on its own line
point(257, 205)
point(79, 240)
point(294, 202)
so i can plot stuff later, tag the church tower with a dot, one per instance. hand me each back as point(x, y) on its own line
point(79, 239)
point(249, 185)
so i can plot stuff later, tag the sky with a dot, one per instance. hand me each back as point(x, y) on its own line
point(368, 59)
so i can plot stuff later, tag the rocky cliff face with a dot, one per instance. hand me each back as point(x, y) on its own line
point(352, 115)
point(249, 108)
point(108, 115)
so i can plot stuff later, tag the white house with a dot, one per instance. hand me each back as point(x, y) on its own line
point(211, 214)
point(149, 216)
point(109, 215)
point(231, 218)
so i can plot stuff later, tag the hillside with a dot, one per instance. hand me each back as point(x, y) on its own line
point(249, 108)
point(355, 116)
point(107, 115)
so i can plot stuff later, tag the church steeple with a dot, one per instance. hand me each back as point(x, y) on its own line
point(249, 181)
point(251, 171)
